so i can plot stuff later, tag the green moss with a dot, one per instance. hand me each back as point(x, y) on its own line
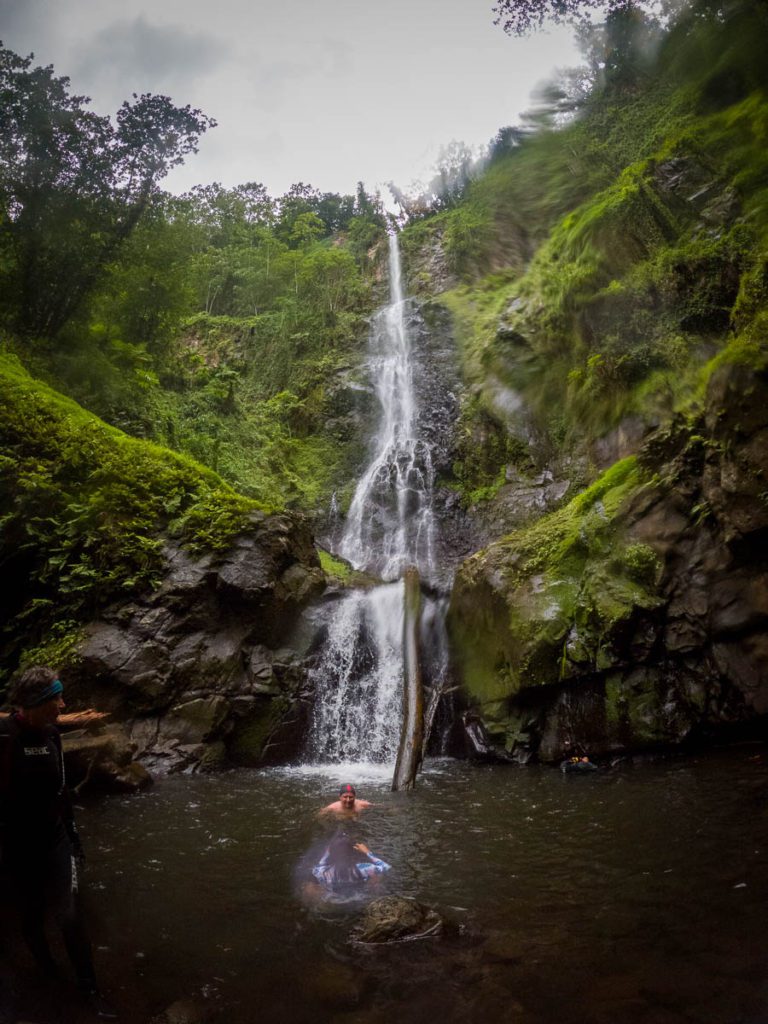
point(249, 740)
point(85, 508)
point(61, 646)
point(548, 598)
point(648, 222)
point(335, 568)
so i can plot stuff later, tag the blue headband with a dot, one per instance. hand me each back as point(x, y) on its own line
point(48, 693)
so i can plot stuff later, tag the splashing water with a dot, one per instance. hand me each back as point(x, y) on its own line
point(359, 679)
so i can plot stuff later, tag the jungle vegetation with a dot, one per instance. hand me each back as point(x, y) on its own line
point(610, 247)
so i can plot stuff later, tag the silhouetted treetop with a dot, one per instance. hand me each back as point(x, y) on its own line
point(519, 17)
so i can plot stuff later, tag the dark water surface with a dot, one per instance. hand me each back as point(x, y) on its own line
point(632, 895)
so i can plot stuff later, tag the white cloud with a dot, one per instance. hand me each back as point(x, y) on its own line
point(137, 56)
point(322, 91)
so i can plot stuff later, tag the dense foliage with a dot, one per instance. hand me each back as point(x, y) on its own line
point(72, 187)
point(602, 261)
point(84, 512)
point(214, 323)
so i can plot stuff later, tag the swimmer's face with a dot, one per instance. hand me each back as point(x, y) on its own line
point(348, 801)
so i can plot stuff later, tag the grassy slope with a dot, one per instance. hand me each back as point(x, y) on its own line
point(638, 284)
point(84, 510)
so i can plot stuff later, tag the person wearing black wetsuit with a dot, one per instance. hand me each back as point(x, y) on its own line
point(40, 847)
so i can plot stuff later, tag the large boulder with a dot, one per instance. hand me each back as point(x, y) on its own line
point(200, 662)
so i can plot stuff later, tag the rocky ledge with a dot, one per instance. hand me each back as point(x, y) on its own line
point(636, 616)
point(196, 671)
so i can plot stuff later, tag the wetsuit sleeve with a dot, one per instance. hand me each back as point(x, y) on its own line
point(6, 751)
point(6, 756)
point(67, 811)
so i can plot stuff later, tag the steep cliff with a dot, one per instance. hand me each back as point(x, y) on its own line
point(612, 425)
point(636, 614)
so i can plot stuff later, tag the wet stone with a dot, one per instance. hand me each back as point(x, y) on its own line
point(395, 919)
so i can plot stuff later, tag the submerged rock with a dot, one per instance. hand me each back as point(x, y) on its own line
point(396, 919)
point(183, 1011)
point(334, 986)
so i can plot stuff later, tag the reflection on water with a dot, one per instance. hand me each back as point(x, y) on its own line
point(635, 895)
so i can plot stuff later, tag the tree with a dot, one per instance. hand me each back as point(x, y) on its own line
point(520, 17)
point(73, 186)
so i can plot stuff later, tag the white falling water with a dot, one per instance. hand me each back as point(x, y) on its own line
point(390, 525)
point(359, 679)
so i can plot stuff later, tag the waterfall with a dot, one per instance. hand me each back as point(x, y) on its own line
point(390, 525)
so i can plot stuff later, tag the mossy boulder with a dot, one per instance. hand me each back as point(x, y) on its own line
point(546, 603)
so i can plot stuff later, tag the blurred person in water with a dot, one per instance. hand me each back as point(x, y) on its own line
point(40, 848)
point(348, 803)
point(345, 864)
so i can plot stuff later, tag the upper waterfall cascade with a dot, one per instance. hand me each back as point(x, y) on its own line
point(390, 525)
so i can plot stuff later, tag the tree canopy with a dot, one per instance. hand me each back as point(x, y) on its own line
point(519, 17)
point(73, 186)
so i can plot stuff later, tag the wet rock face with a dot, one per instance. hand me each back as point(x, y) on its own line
point(681, 657)
point(396, 919)
point(439, 391)
point(428, 271)
point(199, 661)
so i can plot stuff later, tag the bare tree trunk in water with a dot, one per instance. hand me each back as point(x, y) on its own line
point(412, 733)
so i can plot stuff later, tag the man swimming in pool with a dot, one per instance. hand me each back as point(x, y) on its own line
point(348, 803)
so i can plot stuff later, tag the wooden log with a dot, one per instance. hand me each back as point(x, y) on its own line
point(412, 731)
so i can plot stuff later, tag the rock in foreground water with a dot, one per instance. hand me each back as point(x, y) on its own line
point(396, 919)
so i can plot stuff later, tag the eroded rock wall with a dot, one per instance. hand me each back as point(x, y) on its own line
point(197, 670)
point(636, 616)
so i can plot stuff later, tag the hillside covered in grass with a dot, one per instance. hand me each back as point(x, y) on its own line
point(599, 266)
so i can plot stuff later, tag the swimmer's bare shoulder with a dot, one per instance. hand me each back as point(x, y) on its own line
point(338, 808)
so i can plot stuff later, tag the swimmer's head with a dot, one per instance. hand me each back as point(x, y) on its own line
point(347, 795)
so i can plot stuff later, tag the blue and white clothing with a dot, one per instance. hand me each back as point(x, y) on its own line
point(365, 869)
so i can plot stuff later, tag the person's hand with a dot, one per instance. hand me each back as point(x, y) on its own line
point(362, 848)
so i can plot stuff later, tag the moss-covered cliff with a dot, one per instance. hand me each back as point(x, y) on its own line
point(608, 285)
point(157, 588)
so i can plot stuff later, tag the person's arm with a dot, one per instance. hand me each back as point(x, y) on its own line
point(373, 866)
point(5, 783)
point(67, 810)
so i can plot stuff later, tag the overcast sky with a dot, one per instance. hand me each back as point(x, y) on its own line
point(327, 92)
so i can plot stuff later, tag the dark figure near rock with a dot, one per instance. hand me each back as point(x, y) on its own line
point(40, 849)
